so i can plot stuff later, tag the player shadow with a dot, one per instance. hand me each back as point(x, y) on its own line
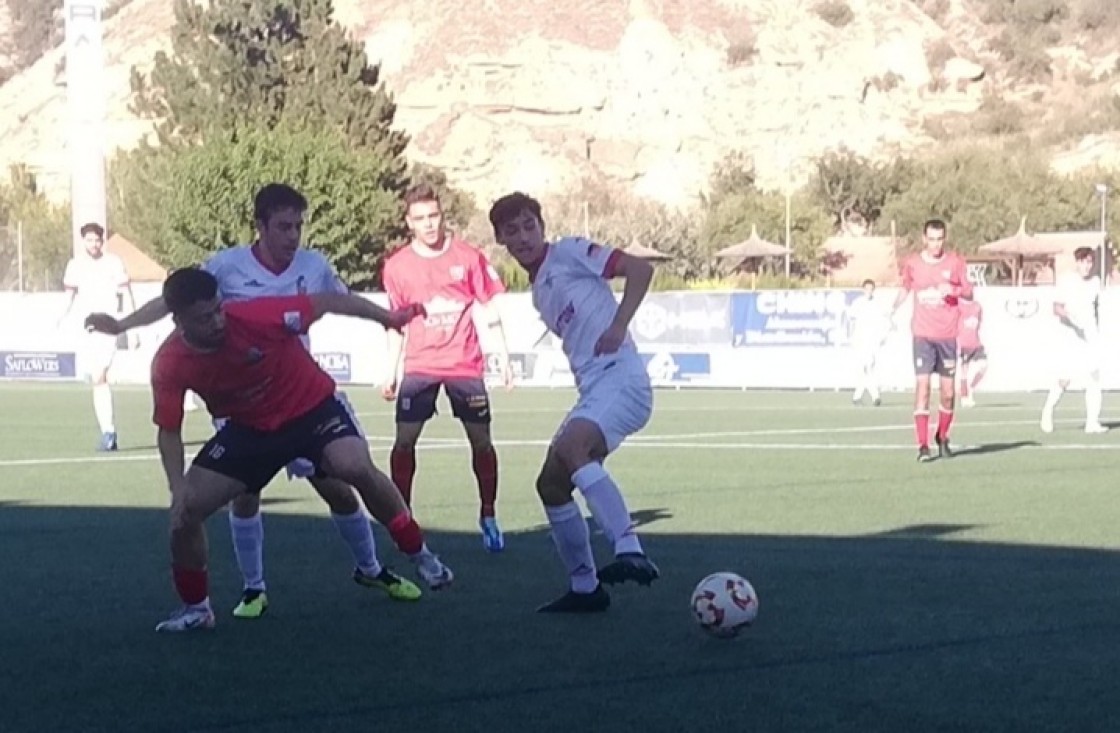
point(640, 518)
point(989, 448)
point(138, 448)
point(902, 629)
point(926, 531)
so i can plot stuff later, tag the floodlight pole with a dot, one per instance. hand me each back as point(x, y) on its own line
point(1102, 191)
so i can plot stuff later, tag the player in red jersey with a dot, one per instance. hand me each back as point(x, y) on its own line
point(974, 359)
point(248, 364)
point(449, 277)
point(938, 280)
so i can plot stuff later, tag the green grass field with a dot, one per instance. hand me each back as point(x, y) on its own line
point(974, 594)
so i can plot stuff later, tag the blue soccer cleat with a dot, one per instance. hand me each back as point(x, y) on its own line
point(491, 534)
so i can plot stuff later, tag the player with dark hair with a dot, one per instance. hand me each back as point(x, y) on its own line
point(1077, 307)
point(451, 278)
point(276, 265)
point(94, 280)
point(868, 326)
point(938, 280)
point(247, 362)
point(575, 301)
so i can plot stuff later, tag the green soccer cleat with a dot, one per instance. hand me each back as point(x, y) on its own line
point(253, 604)
point(396, 587)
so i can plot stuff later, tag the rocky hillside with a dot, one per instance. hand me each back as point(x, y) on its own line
point(538, 94)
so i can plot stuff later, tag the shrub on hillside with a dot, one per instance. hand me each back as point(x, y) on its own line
point(836, 13)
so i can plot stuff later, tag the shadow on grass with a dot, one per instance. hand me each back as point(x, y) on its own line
point(902, 630)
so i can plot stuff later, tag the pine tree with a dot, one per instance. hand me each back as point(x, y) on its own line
point(263, 63)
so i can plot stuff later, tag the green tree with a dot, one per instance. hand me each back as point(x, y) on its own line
point(354, 209)
point(43, 227)
point(264, 64)
point(458, 206)
point(731, 219)
point(851, 187)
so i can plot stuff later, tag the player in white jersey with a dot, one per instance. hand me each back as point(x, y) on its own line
point(278, 266)
point(94, 281)
point(868, 326)
point(575, 301)
point(1076, 305)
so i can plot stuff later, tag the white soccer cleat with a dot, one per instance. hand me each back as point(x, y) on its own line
point(432, 571)
point(968, 401)
point(188, 618)
point(1046, 424)
point(1096, 428)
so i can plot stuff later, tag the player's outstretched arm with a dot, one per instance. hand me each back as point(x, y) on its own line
point(638, 274)
point(145, 315)
point(344, 304)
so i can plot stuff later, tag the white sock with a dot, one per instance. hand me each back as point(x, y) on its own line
point(103, 407)
point(357, 533)
point(1093, 401)
point(573, 542)
point(858, 394)
point(1052, 399)
point(248, 546)
point(873, 390)
point(608, 507)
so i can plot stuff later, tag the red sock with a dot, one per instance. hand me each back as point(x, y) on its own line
point(402, 467)
point(921, 428)
point(485, 464)
point(944, 421)
point(193, 586)
point(406, 534)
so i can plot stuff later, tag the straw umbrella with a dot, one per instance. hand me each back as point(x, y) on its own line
point(754, 247)
point(1021, 246)
point(646, 253)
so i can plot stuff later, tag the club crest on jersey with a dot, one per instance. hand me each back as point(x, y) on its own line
point(254, 355)
point(458, 273)
point(292, 321)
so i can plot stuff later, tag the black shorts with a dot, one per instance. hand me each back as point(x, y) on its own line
point(253, 456)
point(935, 356)
point(970, 355)
point(416, 399)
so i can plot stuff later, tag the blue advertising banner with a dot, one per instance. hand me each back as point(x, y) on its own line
point(811, 318)
point(336, 364)
point(675, 319)
point(37, 365)
point(664, 366)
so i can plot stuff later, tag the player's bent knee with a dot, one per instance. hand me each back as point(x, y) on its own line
point(338, 495)
point(246, 506)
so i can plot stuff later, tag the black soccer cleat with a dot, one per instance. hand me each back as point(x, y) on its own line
point(924, 456)
point(629, 566)
point(596, 601)
point(943, 449)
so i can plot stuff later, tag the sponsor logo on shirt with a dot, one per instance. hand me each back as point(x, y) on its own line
point(292, 321)
point(565, 318)
point(253, 283)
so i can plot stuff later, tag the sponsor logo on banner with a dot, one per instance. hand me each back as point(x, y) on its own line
point(522, 366)
point(336, 364)
point(664, 366)
point(38, 365)
point(1025, 306)
point(673, 318)
point(791, 317)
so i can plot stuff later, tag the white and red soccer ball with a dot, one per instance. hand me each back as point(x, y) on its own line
point(724, 603)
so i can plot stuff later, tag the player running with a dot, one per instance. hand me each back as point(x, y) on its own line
point(448, 276)
point(1076, 305)
point(571, 293)
point(247, 362)
point(276, 265)
point(973, 357)
point(93, 281)
point(938, 279)
point(868, 327)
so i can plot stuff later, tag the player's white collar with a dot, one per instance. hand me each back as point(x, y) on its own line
point(427, 252)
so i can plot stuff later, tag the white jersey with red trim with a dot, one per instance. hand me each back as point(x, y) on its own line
point(575, 301)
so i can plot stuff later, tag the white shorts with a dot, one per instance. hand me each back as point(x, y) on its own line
point(1077, 357)
point(301, 467)
point(97, 353)
point(620, 403)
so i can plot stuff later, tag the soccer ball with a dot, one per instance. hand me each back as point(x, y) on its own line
point(724, 603)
